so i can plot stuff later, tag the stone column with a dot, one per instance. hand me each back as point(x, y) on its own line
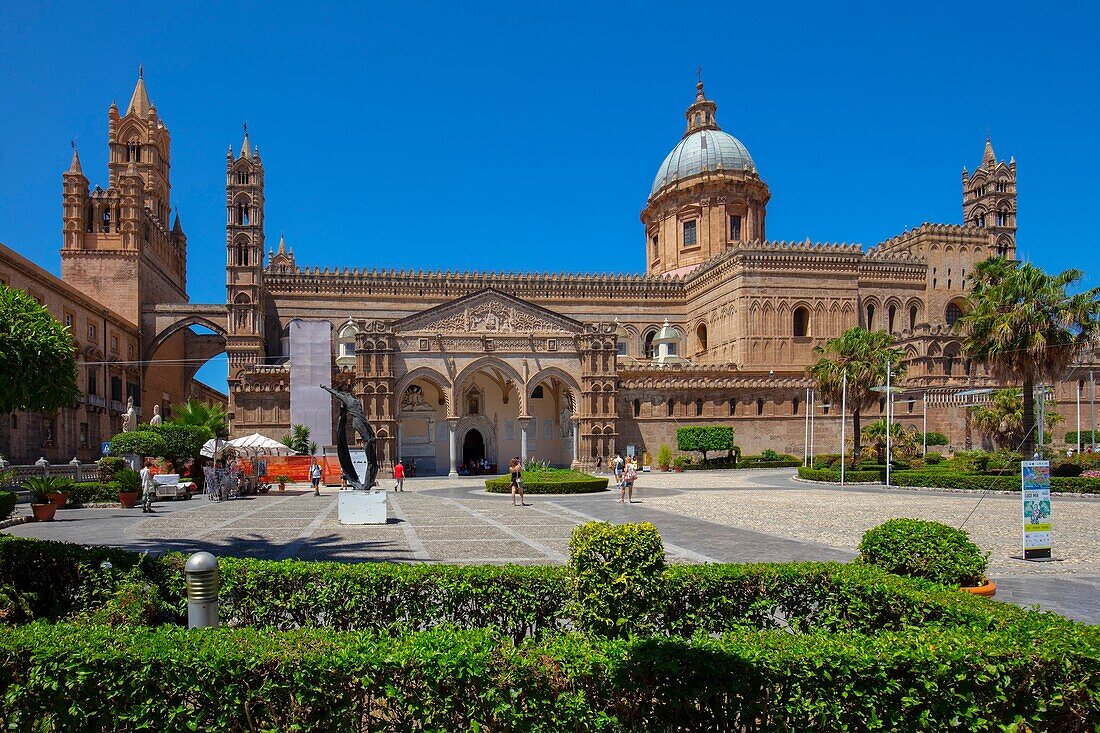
point(452, 425)
point(524, 422)
point(576, 464)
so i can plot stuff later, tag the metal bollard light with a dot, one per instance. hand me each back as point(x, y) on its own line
point(201, 572)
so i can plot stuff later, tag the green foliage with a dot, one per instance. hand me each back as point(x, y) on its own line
point(145, 441)
point(540, 479)
point(7, 504)
point(93, 492)
point(928, 550)
point(704, 439)
point(769, 455)
point(37, 357)
point(282, 478)
point(41, 487)
point(298, 440)
point(203, 415)
point(617, 577)
point(863, 356)
point(134, 602)
point(903, 442)
point(664, 456)
point(934, 438)
point(128, 480)
point(681, 462)
point(932, 458)
point(851, 475)
point(1002, 419)
point(110, 465)
point(182, 442)
point(769, 459)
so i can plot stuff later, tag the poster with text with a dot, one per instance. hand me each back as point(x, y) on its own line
point(1035, 482)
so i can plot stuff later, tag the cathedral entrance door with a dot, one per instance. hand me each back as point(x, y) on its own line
point(473, 450)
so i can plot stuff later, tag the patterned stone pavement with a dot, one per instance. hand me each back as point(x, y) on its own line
point(743, 516)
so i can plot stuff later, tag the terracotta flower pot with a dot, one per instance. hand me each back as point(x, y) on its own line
point(678, 469)
point(282, 486)
point(987, 590)
point(128, 499)
point(663, 468)
point(60, 498)
point(44, 512)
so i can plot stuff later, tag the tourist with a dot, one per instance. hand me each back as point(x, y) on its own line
point(147, 487)
point(617, 469)
point(599, 464)
point(399, 477)
point(315, 476)
point(516, 469)
point(626, 488)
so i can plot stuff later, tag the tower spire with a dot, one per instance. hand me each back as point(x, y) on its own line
point(74, 167)
point(246, 151)
point(139, 101)
point(989, 158)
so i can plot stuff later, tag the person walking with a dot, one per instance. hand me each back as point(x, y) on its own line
point(617, 469)
point(147, 487)
point(626, 489)
point(399, 476)
point(315, 476)
point(516, 469)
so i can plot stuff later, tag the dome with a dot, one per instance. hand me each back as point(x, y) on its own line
point(700, 152)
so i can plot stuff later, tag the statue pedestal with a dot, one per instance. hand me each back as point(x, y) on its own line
point(362, 507)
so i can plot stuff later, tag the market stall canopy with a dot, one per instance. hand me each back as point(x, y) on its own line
point(257, 444)
point(214, 444)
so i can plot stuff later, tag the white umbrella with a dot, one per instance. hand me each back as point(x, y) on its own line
point(212, 445)
point(257, 444)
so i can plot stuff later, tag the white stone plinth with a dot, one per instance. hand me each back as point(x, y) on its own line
point(362, 507)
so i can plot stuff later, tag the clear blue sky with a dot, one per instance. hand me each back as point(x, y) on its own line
point(526, 136)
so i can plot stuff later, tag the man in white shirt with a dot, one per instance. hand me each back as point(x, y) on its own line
point(147, 487)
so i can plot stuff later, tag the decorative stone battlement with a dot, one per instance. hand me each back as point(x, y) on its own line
point(956, 234)
point(640, 375)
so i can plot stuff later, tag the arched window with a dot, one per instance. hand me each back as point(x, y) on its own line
point(698, 408)
point(870, 318)
point(242, 255)
point(701, 337)
point(669, 407)
point(881, 405)
point(648, 347)
point(637, 408)
point(952, 314)
point(891, 312)
point(801, 322)
point(653, 242)
point(242, 213)
point(794, 406)
point(913, 318)
point(981, 220)
point(733, 407)
point(759, 405)
point(105, 219)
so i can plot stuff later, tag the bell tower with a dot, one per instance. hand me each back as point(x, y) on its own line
point(244, 239)
point(989, 200)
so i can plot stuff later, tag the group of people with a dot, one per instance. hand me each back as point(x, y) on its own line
point(626, 473)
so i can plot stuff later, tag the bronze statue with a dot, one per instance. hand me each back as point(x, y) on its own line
point(350, 405)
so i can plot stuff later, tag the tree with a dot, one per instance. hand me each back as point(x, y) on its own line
point(183, 443)
point(1003, 419)
point(210, 416)
point(902, 442)
point(704, 439)
point(1026, 329)
point(145, 441)
point(37, 357)
point(863, 356)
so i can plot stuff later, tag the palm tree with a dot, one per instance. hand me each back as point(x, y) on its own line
point(862, 355)
point(1026, 329)
point(210, 416)
point(902, 442)
point(298, 440)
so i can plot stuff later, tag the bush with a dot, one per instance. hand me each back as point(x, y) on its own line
point(833, 475)
point(7, 504)
point(617, 577)
point(145, 441)
point(128, 480)
point(41, 487)
point(110, 465)
point(1002, 482)
point(544, 480)
point(933, 459)
point(664, 456)
point(826, 460)
point(93, 492)
point(705, 439)
point(1067, 469)
point(769, 459)
point(1087, 437)
point(713, 464)
point(928, 550)
point(932, 438)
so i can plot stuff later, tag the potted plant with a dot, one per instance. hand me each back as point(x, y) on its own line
point(678, 463)
point(929, 550)
point(282, 480)
point(40, 488)
point(60, 494)
point(664, 457)
point(129, 487)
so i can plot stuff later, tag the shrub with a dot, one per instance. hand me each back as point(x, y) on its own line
point(7, 504)
point(109, 466)
point(933, 438)
point(1086, 436)
point(826, 460)
point(1003, 482)
point(769, 455)
point(711, 465)
point(705, 439)
point(664, 456)
point(543, 480)
point(128, 480)
point(41, 487)
point(769, 459)
point(1067, 469)
point(145, 441)
point(933, 459)
point(929, 550)
point(93, 492)
point(680, 462)
point(833, 475)
point(617, 577)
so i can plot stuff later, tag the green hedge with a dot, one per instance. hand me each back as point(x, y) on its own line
point(1030, 676)
point(7, 504)
point(833, 475)
point(1006, 482)
point(1086, 437)
point(933, 551)
point(93, 492)
point(549, 481)
point(756, 462)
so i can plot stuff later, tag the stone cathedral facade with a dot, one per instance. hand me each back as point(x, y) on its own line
point(459, 366)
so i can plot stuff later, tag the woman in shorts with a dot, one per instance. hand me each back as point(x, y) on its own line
point(516, 469)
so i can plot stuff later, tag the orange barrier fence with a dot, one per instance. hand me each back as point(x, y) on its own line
point(297, 468)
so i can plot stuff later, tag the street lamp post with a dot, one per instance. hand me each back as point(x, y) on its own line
point(1078, 416)
point(843, 413)
point(806, 446)
point(924, 424)
point(813, 409)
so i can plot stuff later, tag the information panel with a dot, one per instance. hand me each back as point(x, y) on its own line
point(1035, 480)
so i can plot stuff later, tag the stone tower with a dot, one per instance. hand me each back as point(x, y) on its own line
point(989, 200)
point(117, 245)
point(707, 196)
point(244, 241)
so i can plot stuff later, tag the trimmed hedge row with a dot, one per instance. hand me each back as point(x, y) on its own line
point(853, 476)
point(7, 504)
point(1006, 482)
point(1030, 676)
point(93, 492)
point(751, 462)
point(503, 485)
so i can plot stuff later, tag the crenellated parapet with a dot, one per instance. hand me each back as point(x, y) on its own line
point(704, 377)
point(916, 242)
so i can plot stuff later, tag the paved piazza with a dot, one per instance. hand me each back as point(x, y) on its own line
point(743, 516)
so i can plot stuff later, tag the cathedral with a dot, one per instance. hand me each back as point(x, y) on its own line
point(457, 367)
